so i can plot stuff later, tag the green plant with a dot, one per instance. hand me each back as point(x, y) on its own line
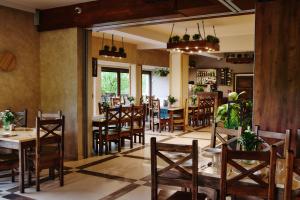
point(106, 48)
point(175, 39)
point(198, 88)
point(186, 37)
point(162, 72)
point(196, 37)
point(235, 113)
point(130, 99)
point(7, 117)
point(113, 49)
point(212, 39)
point(249, 140)
point(194, 99)
point(171, 99)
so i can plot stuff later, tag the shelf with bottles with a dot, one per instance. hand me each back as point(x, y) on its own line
point(206, 76)
point(225, 76)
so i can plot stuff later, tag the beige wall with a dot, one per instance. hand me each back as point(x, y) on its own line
point(20, 88)
point(134, 56)
point(61, 84)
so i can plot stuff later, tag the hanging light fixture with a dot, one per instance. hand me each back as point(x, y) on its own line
point(113, 52)
point(198, 43)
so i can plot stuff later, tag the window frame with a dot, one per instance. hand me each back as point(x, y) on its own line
point(150, 80)
point(118, 71)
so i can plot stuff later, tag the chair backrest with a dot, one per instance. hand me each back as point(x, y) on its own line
point(44, 116)
point(281, 140)
point(50, 131)
point(112, 116)
point(125, 114)
point(159, 176)
point(21, 118)
point(115, 101)
point(221, 133)
point(292, 166)
point(139, 114)
point(201, 105)
point(237, 185)
point(155, 105)
point(100, 108)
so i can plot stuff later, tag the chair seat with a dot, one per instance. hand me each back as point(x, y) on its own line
point(8, 158)
point(178, 121)
point(174, 174)
point(180, 195)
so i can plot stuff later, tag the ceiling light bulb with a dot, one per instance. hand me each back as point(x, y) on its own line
point(196, 47)
point(199, 51)
point(120, 58)
point(186, 48)
point(105, 56)
point(206, 47)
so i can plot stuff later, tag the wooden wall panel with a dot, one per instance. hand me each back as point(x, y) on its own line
point(277, 70)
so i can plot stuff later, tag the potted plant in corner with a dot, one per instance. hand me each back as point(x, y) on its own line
point(198, 88)
point(171, 100)
point(7, 118)
point(163, 72)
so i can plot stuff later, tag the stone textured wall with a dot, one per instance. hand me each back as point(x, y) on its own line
point(20, 88)
point(61, 82)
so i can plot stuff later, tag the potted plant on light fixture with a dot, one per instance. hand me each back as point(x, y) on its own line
point(163, 72)
point(106, 48)
point(7, 118)
point(113, 49)
point(175, 39)
point(171, 100)
point(186, 37)
point(196, 37)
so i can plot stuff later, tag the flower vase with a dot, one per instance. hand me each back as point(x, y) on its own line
point(6, 125)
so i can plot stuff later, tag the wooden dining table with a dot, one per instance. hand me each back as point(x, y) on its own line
point(20, 139)
point(172, 111)
point(209, 175)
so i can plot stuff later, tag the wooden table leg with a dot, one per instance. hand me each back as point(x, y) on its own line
point(21, 168)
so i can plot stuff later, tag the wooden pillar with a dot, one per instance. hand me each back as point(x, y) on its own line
point(136, 82)
point(277, 70)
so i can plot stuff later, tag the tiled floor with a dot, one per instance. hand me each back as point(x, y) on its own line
point(124, 176)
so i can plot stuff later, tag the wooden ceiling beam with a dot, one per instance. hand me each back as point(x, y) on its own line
point(112, 12)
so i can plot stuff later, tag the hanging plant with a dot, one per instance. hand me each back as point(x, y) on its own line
point(171, 100)
point(121, 50)
point(196, 37)
point(162, 72)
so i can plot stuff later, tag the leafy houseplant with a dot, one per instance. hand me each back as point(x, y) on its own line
point(7, 118)
point(121, 50)
point(198, 88)
point(249, 140)
point(186, 37)
point(194, 99)
point(130, 99)
point(105, 105)
point(231, 113)
point(171, 100)
point(162, 72)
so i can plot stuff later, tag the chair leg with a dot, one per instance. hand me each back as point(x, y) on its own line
point(61, 174)
point(51, 173)
point(119, 145)
point(109, 146)
point(143, 135)
point(37, 177)
point(12, 175)
point(134, 138)
point(106, 147)
point(131, 141)
point(29, 177)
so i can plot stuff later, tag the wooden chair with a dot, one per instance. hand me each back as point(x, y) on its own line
point(200, 112)
point(209, 110)
point(179, 118)
point(292, 167)
point(138, 122)
point(111, 130)
point(158, 116)
point(163, 119)
point(55, 115)
point(281, 140)
point(125, 124)
point(174, 174)
point(234, 186)
point(49, 153)
point(115, 101)
point(219, 133)
point(21, 118)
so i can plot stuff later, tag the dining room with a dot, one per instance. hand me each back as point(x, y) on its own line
point(152, 100)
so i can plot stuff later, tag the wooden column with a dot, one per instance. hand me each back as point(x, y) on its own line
point(277, 66)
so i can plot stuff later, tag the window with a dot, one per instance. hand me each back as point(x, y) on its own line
point(146, 83)
point(114, 82)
